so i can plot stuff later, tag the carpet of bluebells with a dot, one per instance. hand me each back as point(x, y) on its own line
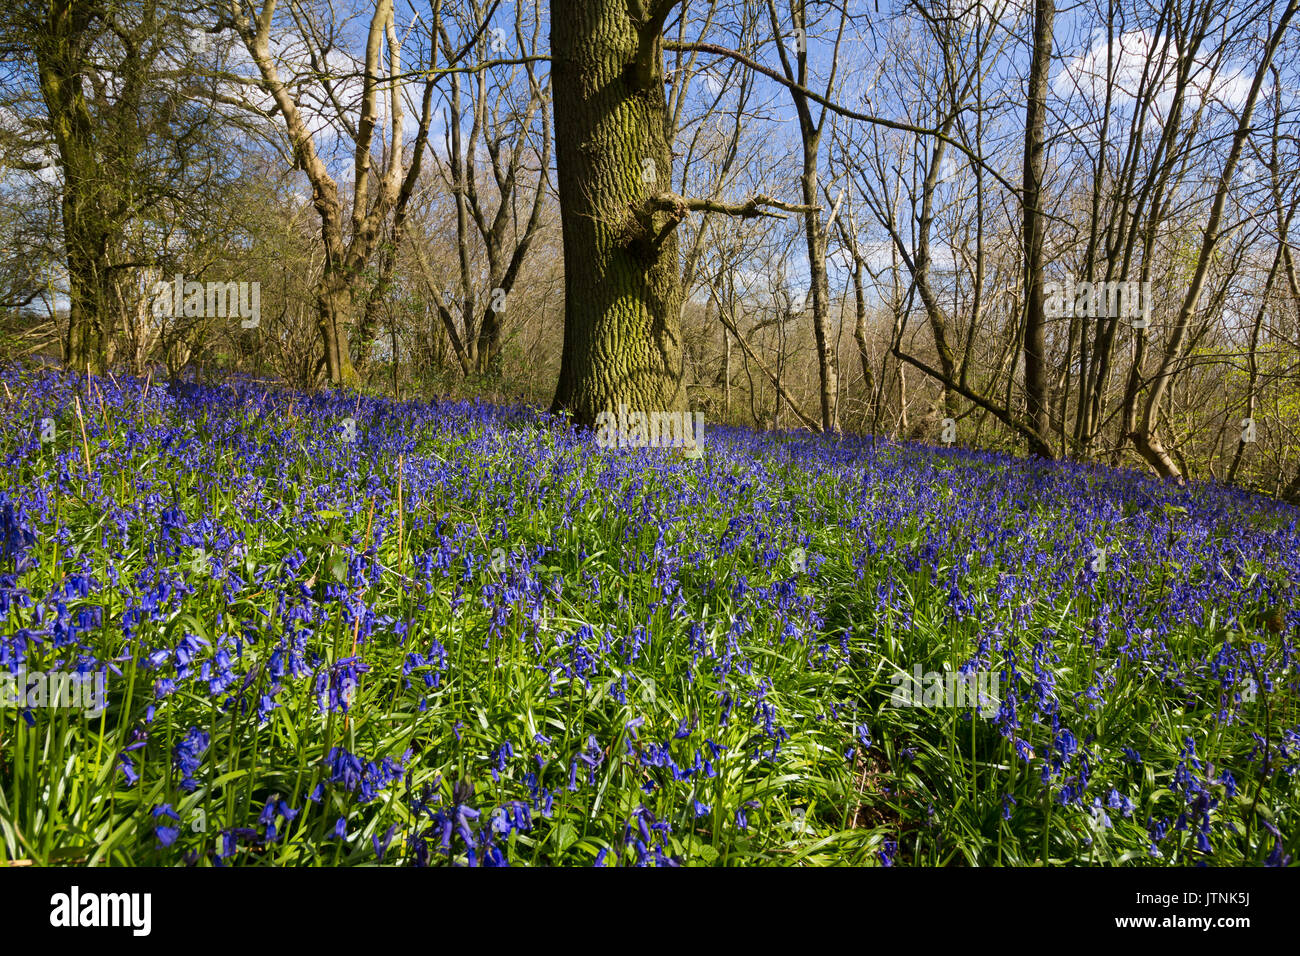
point(344, 630)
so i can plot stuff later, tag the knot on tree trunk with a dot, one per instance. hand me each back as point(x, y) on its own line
point(649, 223)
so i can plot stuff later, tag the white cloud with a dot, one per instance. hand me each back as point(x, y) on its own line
point(1139, 61)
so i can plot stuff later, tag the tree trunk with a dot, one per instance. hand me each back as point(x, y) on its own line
point(726, 376)
point(622, 286)
point(84, 346)
point(815, 236)
point(1035, 348)
point(860, 337)
point(58, 44)
point(334, 308)
point(489, 342)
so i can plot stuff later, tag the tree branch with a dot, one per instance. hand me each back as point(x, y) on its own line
point(751, 208)
point(998, 412)
point(841, 109)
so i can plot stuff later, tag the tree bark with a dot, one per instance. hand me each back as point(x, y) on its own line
point(57, 42)
point(1035, 347)
point(622, 343)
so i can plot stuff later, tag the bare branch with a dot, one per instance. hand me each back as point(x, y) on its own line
point(844, 110)
point(751, 208)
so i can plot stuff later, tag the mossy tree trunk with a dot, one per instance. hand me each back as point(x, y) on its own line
point(334, 300)
point(60, 40)
point(622, 343)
